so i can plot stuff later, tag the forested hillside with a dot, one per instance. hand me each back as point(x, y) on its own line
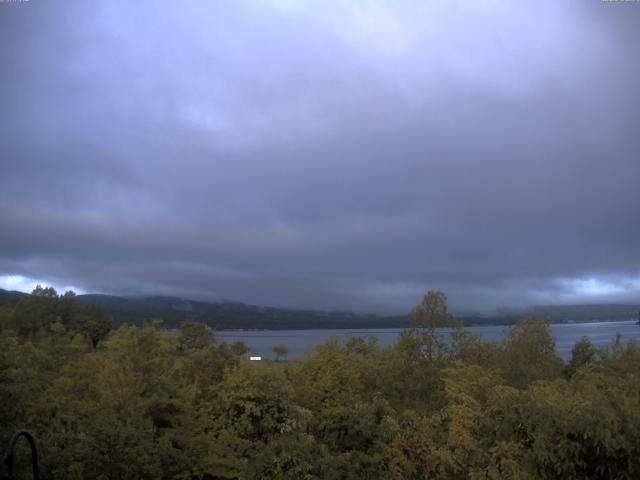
point(229, 315)
point(137, 310)
point(144, 402)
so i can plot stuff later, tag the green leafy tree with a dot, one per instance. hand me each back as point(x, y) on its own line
point(472, 349)
point(42, 291)
point(422, 336)
point(621, 360)
point(33, 314)
point(291, 457)
point(194, 335)
point(583, 353)
point(154, 403)
point(93, 323)
point(240, 348)
point(280, 351)
point(362, 345)
point(530, 353)
point(253, 406)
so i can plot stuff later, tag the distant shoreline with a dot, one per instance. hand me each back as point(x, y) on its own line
point(377, 327)
point(221, 316)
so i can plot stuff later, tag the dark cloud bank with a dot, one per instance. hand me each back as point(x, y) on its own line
point(333, 155)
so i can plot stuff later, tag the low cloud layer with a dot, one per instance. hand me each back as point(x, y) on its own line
point(331, 155)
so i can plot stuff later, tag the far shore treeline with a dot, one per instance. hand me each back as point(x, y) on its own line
point(108, 401)
point(137, 310)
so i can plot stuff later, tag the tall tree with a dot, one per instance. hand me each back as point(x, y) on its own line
point(280, 351)
point(530, 353)
point(42, 291)
point(93, 323)
point(431, 313)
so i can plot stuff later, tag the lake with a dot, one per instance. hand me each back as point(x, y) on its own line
point(301, 342)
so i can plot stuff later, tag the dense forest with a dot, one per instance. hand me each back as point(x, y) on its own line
point(149, 402)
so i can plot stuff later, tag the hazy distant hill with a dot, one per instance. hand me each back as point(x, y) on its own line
point(236, 315)
point(578, 313)
point(221, 315)
point(7, 296)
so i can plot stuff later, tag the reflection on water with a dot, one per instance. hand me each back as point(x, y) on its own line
point(300, 342)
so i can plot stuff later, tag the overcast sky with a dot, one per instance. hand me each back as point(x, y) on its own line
point(323, 154)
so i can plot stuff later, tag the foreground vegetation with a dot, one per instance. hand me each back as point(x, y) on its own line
point(146, 402)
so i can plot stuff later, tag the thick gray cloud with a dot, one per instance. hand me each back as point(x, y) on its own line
point(323, 154)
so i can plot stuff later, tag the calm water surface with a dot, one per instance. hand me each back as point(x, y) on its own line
point(301, 342)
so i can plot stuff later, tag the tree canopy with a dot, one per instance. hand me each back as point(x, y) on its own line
point(147, 402)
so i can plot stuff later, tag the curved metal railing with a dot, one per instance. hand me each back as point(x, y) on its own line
point(9, 461)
